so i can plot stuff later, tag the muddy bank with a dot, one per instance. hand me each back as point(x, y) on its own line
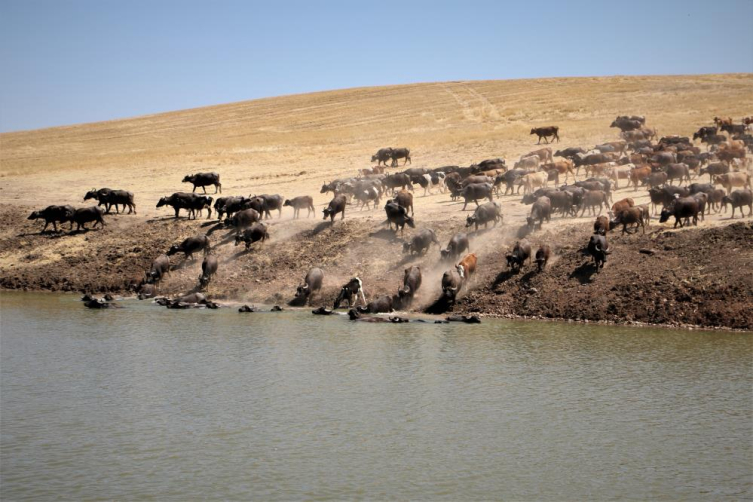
point(701, 277)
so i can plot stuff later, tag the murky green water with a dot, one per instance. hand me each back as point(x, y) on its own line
point(146, 402)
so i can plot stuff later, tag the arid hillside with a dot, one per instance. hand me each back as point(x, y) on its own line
point(291, 145)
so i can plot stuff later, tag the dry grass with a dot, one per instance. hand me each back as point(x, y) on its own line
point(291, 144)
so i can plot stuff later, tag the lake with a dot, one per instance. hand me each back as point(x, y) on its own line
point(145, 402)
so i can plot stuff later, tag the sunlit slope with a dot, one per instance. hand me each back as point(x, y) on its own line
point(272, 141)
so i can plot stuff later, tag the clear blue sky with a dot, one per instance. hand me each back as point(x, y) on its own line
point(66, 62)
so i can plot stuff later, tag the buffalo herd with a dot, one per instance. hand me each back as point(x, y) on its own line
point(665, 168)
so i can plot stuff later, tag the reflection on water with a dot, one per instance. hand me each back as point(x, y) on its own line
point(149, 402)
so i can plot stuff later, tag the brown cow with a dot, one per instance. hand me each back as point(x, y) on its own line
point(638, 174)
point(730, 180)
point(467, 266)
point(563, 167)
point(623, 204)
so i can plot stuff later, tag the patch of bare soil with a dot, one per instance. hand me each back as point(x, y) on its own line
point(700, 277)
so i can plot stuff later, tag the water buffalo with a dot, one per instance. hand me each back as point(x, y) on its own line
point(739, 198)
point(382, 156)
point(302, 202)
point(546, 132)
point(400, 153)
point(348, 291)
point(312, 283)
point(109, 198)
point(677, 172)
point(591, 199)
point(452, 282)
point(540, 210)
point(190, 246)
point(477, 191)
point(159, 269)
point(381, 304)
point(520, 253)
point(484, 214)
point(681, 208)
point(411, 283)
point(86, 215)
point(208, 269)
point(398, 215)
point(420, 242)
point(243, 219)
point(569, 153)
point(458, 244)
point(336, 205)
point(54, 215)
point(189, 201)
point(203, 180)
point(269, 203)
point(255, 233)
point(598, 249)
point(397, 180)
point(542, 256)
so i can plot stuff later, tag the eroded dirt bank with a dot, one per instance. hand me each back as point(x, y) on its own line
point(701, 277)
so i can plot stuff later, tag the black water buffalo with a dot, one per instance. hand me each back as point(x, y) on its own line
point(681, 208)
point(457, 245)
point(203, 180)
point(189, 201)
point(86, 215)
point(312, 283)
point(739, 198)
point(420, 242)
point(569, 153)
point(382, 156)
point(398, 180)
point(411, 283)
point(243, 219)
point(655, 179)
point(677, 172)
point(520, 253)
point(598, 249)
point(268, 203)
point(302, 202)
point(591, 199)
point(546, 132)
point(511, 179)
point(349, 291)
point(208, 269)
point(705, 131)
point(108, 198)
point(734, 128)
point(54, 215)
point(452, 282)
point(228, 206)
point(381, 304)
point(255, 233)
point(626, 124)
point(664, 196)
point(190, 246)
point(477, 191)
point(398, 215)
point(714, 169)
point(485, 214)
point(400, 153)
point(159, 269)
point(542, 256)
point(336, 205)
point(561, 200)
point(540, 210)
